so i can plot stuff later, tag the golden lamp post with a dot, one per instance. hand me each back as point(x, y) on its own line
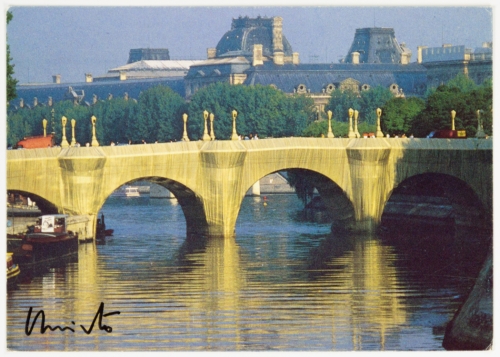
point(330, 132)
point(185, 134)
point(351, 132)
point(44, 123)
point(206, 137)
point(212, 134)
point(73, 139)
point(356, 132)
point(379, 129)
point(235, 135)
point(94, 139)
point(453, 114)
point(64, 142)
point(480, 130)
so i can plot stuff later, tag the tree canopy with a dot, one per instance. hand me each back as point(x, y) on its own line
point(365, 102)
point(11, 81)
point(261, 110)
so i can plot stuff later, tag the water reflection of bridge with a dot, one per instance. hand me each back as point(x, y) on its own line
point(366, 289)
point(211, 178)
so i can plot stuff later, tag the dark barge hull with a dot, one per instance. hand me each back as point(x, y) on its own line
point(42, 248)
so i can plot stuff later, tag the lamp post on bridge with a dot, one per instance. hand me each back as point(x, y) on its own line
point(185, 135)
point(73, 139)
point(379, 130)
point(330, 132)
point(44, 123)
point(453, 113)
point(94, 139)
point(351, 132)
point(212, 134)
point(64, 142)
point(235, 135)
point(480, 131)
point(356, 132)
point(206, 137)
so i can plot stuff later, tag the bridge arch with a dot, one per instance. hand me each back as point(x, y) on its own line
point(190, 202)
point(339, 207)
point(43, 204)
point(452, 199)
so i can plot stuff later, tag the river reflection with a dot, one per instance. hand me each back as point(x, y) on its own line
point(280, 284)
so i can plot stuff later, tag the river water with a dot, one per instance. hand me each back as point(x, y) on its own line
point(280, 284)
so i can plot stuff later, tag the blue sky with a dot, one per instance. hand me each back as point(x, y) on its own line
point(71, 41)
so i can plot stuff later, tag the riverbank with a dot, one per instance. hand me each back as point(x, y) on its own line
point(472, 326)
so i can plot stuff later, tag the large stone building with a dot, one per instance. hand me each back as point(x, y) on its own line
point(256, 51)
point(444, 63)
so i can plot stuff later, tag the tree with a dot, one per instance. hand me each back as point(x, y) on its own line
point(341, 101)
point(398, 115)
point(303, 182)
point(115, 118)
point(159, 115)
point(365, 102)
point(462, 96)
point(371, 100)
point(11, 81)
point(261, 110)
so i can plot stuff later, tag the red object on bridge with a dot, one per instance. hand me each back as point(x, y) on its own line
point(448, 134)
point(35, 142)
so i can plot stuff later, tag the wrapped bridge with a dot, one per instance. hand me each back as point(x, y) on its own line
point(210, 178)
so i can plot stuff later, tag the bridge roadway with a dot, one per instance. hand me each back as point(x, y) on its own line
point(210, 178)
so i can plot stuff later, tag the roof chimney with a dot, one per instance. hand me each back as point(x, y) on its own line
point(88, 78)
point(56, 78)
point(355, 57)
point(404, 58)
point(419, 53)
point(123, 76)
point(295, 58)
point(257, 55)
point(211, 53)
point(279, 58)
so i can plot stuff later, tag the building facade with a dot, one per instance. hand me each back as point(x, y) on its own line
point(255, 51)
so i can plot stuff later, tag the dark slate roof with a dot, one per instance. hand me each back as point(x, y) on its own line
point(316, 77)
point(245, 33)
point(375, 45)
point(102, 89)
point(217, 67)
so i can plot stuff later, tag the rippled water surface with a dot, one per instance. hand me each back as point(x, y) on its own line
point(280, 284)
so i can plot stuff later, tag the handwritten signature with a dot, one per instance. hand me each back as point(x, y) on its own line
point(43, 328)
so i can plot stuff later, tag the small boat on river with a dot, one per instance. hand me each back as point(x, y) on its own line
point(48, 240)
point(101, 231)
point(13, 269)
point(128, 191)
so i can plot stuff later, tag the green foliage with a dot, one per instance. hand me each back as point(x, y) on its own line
point(371, 100)
point(302, 181)
point(398, 115)
point(115, 121)
point(318, 128)
point(463, 83)
point(365, 102)
point(461, 95)
point(261, 110)
point(341, 101)
point(11, 81)
point(159, 116)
